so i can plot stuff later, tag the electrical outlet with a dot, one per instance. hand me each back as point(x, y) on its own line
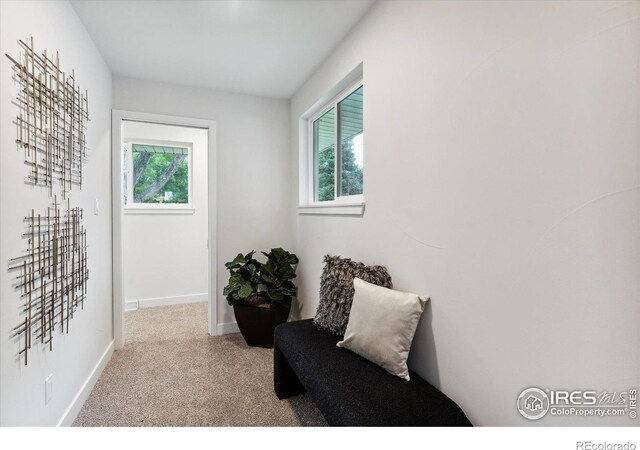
point(48, 389)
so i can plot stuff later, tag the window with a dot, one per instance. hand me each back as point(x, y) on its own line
point(158, 176)
point(338, 149)
point(324, 160)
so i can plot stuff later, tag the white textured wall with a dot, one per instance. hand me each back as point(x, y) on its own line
point(502, 146)
point(55, 27)
point(253, 164)
point(165, 255)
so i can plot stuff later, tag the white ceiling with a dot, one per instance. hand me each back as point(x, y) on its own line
point(256, 47)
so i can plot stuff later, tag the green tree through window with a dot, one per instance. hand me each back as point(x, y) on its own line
point(160, 174)
point(351, 173)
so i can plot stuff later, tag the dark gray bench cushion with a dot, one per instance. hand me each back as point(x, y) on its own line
point(348, 389)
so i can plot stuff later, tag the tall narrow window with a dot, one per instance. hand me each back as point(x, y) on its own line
point(351, 144)
point(338, 148)
point(324, 133)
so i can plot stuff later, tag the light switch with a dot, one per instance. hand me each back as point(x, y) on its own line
point(96, 206)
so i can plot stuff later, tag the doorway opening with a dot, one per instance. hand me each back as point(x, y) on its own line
point(164, 222)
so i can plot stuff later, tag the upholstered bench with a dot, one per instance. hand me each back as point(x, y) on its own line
point(348, 389)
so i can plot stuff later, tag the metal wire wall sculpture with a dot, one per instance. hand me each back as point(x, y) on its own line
point(51, 123)
point(52, 274)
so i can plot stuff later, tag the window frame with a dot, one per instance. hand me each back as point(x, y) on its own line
point(158, 208)
point(338, 200)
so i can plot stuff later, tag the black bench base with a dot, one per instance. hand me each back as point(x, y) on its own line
point(348, 389)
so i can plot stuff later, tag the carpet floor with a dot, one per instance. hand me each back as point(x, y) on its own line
point(172, 373)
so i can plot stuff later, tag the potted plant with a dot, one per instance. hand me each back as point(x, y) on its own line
point(261, 293)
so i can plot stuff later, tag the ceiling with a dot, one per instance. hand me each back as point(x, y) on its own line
point(266, 48)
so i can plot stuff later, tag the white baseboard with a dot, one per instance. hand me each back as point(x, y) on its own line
point(76, 404)
point(227, 328)
point(132, 305)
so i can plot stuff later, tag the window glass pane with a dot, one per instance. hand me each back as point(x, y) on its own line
point(125, 174)
point(160, 174)
point(324, 132)
point(351, 143)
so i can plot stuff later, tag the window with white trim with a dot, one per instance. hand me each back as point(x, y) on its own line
point(157, 176)
point(337, 149)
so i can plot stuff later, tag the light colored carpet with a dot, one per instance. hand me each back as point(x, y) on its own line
point(172, 373)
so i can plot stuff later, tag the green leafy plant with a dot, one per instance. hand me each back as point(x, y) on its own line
point(244, 278)
point(262, 284)
point(276, 275)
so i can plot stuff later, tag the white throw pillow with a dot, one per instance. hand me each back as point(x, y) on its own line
point(381, 325)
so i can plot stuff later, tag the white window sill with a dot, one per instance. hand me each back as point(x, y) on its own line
point(333, 209)
point(158, 210)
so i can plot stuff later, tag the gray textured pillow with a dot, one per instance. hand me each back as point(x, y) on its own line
point(336, 290)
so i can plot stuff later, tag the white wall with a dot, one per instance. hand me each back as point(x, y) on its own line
point(54, 26)
point(253, 164)
point(501, 178)
point(165, 255)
